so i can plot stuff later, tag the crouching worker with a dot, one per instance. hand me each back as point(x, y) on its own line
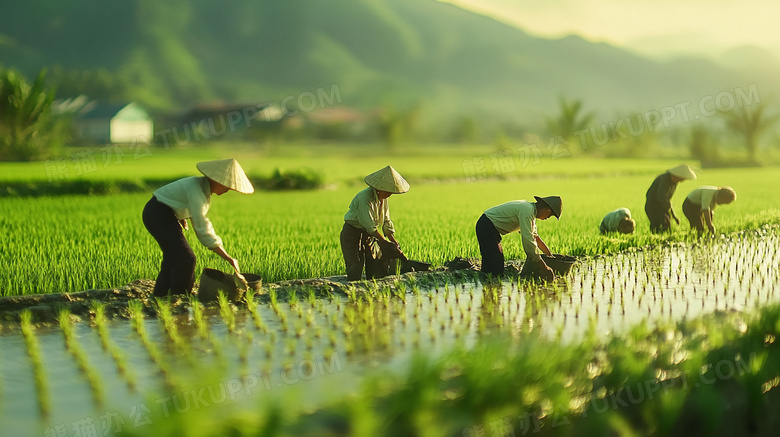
point(618, 220)
point(516, 216)
point(701, 203)
point(361, 242)
point(189, 198)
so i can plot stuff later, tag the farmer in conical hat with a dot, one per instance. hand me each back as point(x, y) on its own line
point(362, 243)
point(517, 216)
point(659, 197)
point(189, 198)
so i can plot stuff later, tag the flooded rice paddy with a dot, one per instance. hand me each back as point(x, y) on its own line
point(98, 376)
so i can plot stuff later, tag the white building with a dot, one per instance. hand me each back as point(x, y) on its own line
point(113, 123)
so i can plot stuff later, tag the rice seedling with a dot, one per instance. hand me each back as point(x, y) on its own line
point(273, 300)
point(119, 358)
point(292, 298)
point(137, 317)
point(311, 296)
point(34, 352)
point(226, 312)
point(251, 305)
point(73, 346)
point(169, 325)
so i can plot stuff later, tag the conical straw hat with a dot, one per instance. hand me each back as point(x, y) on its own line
point(388, 180)
point(228, 173)
point(554, 202)
point(683, 171)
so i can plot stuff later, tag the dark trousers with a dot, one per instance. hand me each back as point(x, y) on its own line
point(694, 215)
point(660, 217)
point(361, 249)
point(490, 246)
point(177, 270)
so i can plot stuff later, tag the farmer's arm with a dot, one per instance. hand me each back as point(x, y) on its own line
point(530, 242)
point(199, 207)
point(542, 246)
point(219, 250)
point(388, 228)
point(707, 213)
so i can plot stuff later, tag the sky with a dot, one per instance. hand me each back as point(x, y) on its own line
point(707, 24)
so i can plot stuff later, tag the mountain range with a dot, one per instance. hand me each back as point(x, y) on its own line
point(379, 53)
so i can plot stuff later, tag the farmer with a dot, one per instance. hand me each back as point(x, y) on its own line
point(165, 216)
point(702, 202)
point(516, 216)
point(618, 220)
point(361, 242)
point(659, 198)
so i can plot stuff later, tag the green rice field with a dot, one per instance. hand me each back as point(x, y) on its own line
point(648, 335)
point(71, 243)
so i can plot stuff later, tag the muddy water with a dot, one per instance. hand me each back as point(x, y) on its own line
point(313, 350)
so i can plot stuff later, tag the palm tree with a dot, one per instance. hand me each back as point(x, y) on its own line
point(24, 111)
point(569, 120)
point(750, 122)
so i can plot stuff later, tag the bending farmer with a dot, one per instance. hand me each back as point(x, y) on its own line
point(165, 216)
point(361, 242)
point(618, 220)
point(659, 198)
point(701, 203)
point(516, 216)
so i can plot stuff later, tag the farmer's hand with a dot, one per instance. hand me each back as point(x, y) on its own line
point(234, 263)
point(183, 223)
point(547, 274)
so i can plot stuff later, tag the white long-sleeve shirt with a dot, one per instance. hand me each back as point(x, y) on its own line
point(191, 198)
point(517, 215)
point(705, 196)
point(367, 212)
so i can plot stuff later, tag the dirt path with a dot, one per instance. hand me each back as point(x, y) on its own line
point(46, 307)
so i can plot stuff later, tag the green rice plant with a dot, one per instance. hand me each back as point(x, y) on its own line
point(226, 312)
point(73, 346)
point(273, 300)
point(427, 208)
point(197, 316)
point(169, 324)
point(311, 295)
point(251, 305)
point(137, 317)
point(34, 352)
point(292, 298)
point(119, 358)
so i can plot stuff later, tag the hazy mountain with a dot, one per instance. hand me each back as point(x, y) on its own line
point(378, 52)
point(671, 46)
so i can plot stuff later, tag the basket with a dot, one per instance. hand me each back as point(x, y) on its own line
point(560, 264)
point(213, 281)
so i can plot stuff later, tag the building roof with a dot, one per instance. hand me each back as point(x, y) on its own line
point(107, 111)
point(101, 110)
